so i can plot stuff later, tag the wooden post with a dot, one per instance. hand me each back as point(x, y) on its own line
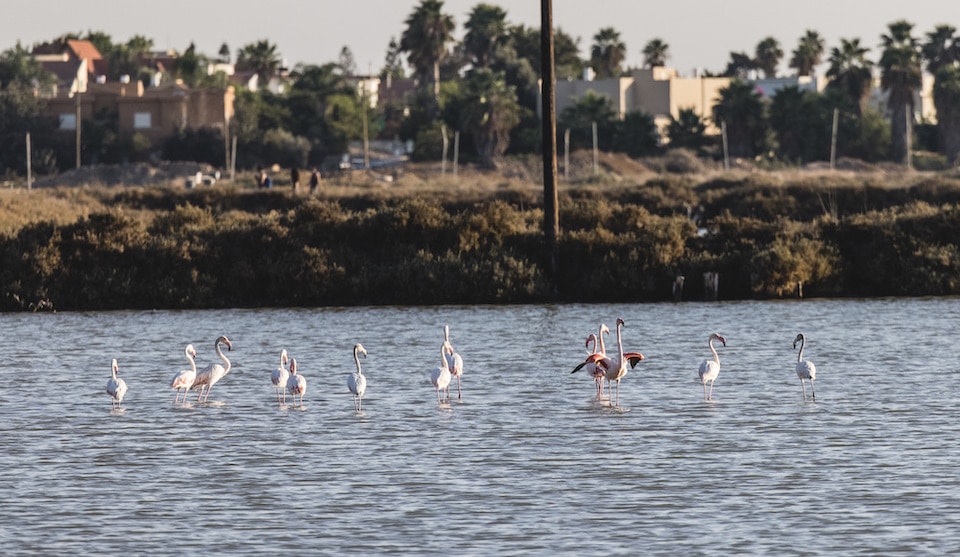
point(29, 163)
point(596, 155)
point(726, 152)
point(78, 128)
point(551, 210)
point(833, 139)
point(566, 155)
point(456, 153)
point(446, 144)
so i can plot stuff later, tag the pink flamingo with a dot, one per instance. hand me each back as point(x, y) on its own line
point(116, 387)
point(441, 376)
point(616, 369)
point(453, 360)
point(208, 376)
point(805, 368)
point(590, 364)
point(279, 377)
point(710, 369)
point(296, 384)
point(184, 379)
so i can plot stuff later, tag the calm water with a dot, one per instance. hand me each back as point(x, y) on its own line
point(527, 463)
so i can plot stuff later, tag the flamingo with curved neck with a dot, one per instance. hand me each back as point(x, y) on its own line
point(208, 376)
point(441, 376)
point(280, 376)
point(616, 369)
point(116, 387)
point(296, 384)
point(710, 369)
point(805, 368)
point(453, 360)
point(357, 383)
point(185, 378)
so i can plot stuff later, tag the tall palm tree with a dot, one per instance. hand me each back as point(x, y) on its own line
point(491, 111)
point(425, 42)
point(808, 53)
point(741, 108)
point(655, 53)
point(850, 71)
point(607, 53)
point(261, 57)
point(767, 56)
point(942, 54)
point(900, 77)
point(486, 30)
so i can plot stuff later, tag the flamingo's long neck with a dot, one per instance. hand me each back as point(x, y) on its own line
point(620, 341)
point(193, 363)
point(443, 355)
point(113, 371)
point(226, 362)
point(603, 347)
point(800, 355)
point(716, 357)
point(356, 358)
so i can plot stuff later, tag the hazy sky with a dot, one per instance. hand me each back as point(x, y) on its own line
point(700, 33)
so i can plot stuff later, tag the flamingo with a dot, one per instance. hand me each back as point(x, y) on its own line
point(184, 379)
point(805, 369)
point(279, 377)
point(598, 353)
point(441, 376)
point(296, 384)
point(453, 360)
point(617, 368)
point(208, 376)
point(116, 387)
point(710, 369)
point(357, 383)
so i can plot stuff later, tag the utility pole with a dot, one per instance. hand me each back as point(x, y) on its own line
point(78, 127)
point(548, 78)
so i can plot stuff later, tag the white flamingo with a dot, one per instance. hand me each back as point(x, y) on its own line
point(357, 383)
point(616, 369)
point(116, 387)
point(454, 361)
point(441, 376)
point(184, 379)
point(805, 368)
point(710, 369)
point(279, 378)
point(296, 384)
point(208, 376)
point(591, 363)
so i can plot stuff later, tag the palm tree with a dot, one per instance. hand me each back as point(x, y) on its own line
point(655, 53)
point(767, 56)
point(425, 42)
point(739, 65)
point(491, 111)
point(942, 53)
point(900, 77)
point(486, 31)
point(741, 108)
point(607, 53)
point(850, 72)
point(687, 130)
point(260, 57)
point(808, 53)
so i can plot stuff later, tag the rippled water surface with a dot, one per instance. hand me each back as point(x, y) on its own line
point(527, 462)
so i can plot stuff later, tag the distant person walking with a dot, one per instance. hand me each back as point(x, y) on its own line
point(314, 180)
point(295, 179)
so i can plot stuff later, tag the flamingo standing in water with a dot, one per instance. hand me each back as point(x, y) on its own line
point(208, 376)
point(710, 369)
point(296, 384)
point(357, 383)
point(805, 369)
point(116, 387)
point(453, 360)
point(184, 379)
point(441, 376)
point(591, 363)
point(279, 377)
point(616, 369)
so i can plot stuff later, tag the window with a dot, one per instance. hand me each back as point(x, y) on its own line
point(68, 121)
point(141, 120)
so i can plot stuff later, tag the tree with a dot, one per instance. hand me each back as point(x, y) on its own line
point(260, 57)
point(191, 67)
point(566, 50)
point(346, 61)
point(655, 53)
point(425, 42)
point(798, 126)
point(900, 78)
point(942, 53)
point(636, 135)
point(224, 53)
point(739, 66)
point(850, 72)
point(808, 53)
point(687, 130)
point(392, 66)
point(580, 117)
point(607, 53)
point(767, 56)
point(490, 112)
point(17, 66)
point(486, 32)
point(741, 107)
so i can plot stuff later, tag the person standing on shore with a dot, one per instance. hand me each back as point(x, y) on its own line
point(295, 179)
point(314, 180)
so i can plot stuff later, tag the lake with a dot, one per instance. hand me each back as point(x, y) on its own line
point(527, 462)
